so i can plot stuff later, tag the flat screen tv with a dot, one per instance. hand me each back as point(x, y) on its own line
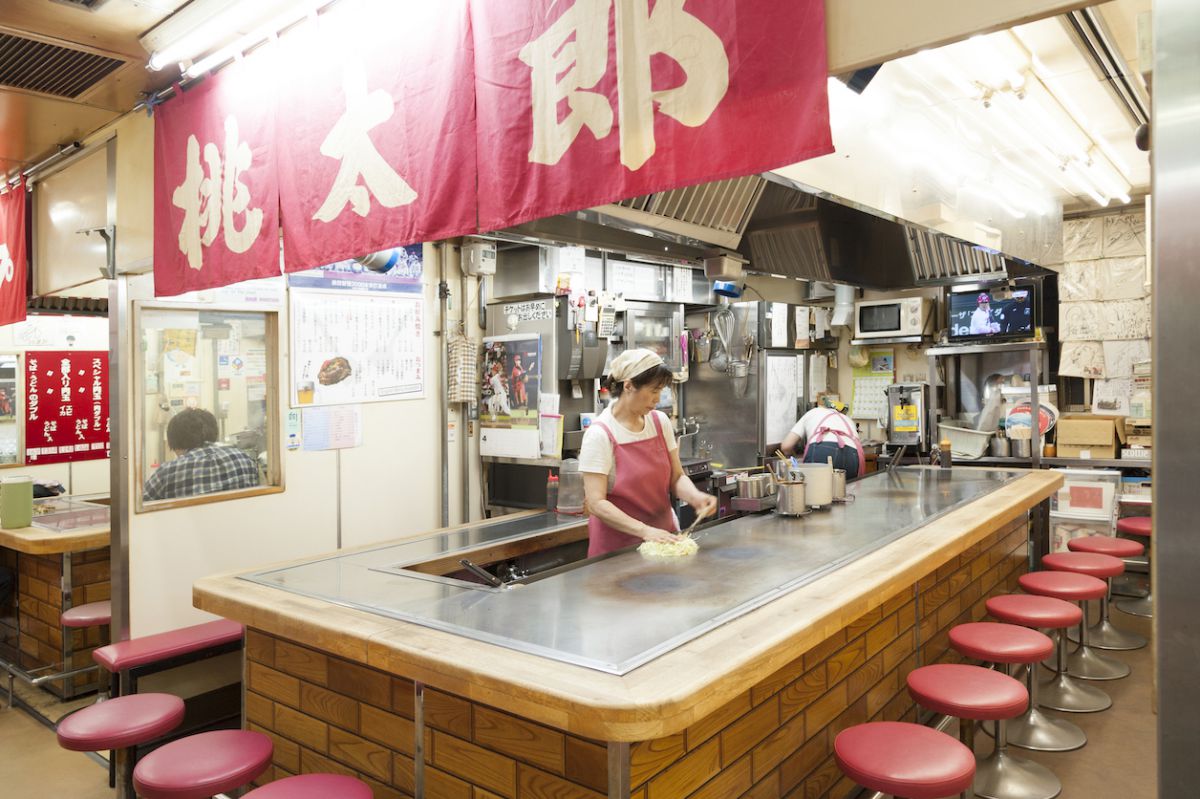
point(1001, 313)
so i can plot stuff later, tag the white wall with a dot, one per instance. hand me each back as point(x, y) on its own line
point(390, 486)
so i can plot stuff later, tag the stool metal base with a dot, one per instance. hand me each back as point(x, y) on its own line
point(1105, 636)
point(1039, 732)
point(1063, 693)
point(1143, 607)
point(1000, 776)
point(1086, 663)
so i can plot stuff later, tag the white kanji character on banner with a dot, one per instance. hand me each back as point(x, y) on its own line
point(212, 198)
point(350, 142)
point(235, 195)
point(581, 62)
point(572, 56)
point(7, 267)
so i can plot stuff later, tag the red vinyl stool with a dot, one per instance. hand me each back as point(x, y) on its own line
point(973, 693)
point(119, 724)
point(1014, 646)
point(313, 786)
point(902, 759)
point(1085, 662)
point(1063, 692)
point(93, 614)
point(199, 766)
point(1102, 634)
point(1139, 527)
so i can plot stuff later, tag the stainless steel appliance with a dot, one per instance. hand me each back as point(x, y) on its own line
point(656, 326)
point(744, 416)
point(908, 418)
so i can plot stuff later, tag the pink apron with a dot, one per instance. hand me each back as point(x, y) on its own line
point(843, 435)
point(641, 490)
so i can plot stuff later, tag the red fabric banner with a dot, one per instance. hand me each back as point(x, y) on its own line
point(13, 266)
point(584, 102)
point(66, 408)
point(216, 190)
point(376, 115)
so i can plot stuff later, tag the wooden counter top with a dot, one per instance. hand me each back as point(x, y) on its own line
point(659, 698)
point(38, 541)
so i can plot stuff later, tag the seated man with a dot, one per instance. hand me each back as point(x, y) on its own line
point(201, 466)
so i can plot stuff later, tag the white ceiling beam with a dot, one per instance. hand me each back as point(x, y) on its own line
point(861, 33)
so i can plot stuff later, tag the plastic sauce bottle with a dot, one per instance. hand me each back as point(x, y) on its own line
point(552, 492)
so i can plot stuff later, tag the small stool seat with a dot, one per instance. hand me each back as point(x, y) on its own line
point(1000, 643)
point(1107, 545)
point(1034, 611)
point(903, 759)
point(200, 766)
point(1141, 526)
point(1089, 563)
point(313, 786)
point(93, 614)
point(967, 692)
point(973, 693)
point(121, 722)
point(1063, 585)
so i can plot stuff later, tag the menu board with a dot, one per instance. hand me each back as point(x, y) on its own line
point(350, 347)
point(66, 409)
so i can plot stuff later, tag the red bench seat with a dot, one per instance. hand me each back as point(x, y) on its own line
point(125, 655)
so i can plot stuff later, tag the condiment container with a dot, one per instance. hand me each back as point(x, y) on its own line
point(791, 500)
point(16, 502)
point(570, 487)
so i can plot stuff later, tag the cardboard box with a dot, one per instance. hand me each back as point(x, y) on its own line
point(1087, 435)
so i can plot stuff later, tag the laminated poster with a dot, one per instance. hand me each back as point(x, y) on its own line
point(510, 390)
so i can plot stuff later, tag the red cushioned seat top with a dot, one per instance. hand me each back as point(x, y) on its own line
point(136, 652)
point(967, 692)
point(1089, 563)
point(1063, 585)
point(200, 766)
point(121, 722)
point(1000, 643)
point(93, 614)
point(313, 786)
point(904, 759)
point(1106, 545)
point(1135, 525)
point(1034, 611)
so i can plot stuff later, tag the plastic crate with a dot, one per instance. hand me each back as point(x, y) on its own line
point(964, 443)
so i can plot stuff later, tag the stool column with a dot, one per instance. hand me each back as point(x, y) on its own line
point(1088, 664)
point(1103, 635)
point(1038, 732)
point(1065, 694)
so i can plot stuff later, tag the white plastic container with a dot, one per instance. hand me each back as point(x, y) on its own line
point(964, 443)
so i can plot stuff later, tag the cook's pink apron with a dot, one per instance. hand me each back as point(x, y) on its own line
point(843, 436)
point(642, 490)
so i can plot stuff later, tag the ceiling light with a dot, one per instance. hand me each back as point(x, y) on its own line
point(265, 32)
point(202, 25)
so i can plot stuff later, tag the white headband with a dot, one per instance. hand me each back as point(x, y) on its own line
point(632, 363)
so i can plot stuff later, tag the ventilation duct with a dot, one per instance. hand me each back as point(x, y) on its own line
point(713, 213)
point(38, 66)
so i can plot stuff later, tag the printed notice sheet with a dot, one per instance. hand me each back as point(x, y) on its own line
point(349, 347)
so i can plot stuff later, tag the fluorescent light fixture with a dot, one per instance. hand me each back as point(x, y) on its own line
point(202, 25)
point(244, 43)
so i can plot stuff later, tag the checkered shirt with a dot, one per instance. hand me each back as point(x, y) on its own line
point(203, 470)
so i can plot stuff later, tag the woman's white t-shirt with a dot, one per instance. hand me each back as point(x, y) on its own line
point(817, 418)
point(596, 453)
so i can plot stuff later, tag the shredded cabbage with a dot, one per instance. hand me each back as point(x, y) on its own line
point(656, 549)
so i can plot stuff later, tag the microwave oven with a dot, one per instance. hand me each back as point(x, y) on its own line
point(904, 316)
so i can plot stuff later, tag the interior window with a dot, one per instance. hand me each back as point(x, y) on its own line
point(208, 407)
point(10, 429)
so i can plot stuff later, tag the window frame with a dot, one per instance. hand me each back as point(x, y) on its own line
point(274, 473)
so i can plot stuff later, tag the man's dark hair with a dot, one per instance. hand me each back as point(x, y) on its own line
point(191, 428)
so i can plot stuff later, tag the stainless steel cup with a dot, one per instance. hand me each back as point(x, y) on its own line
point(791, 501)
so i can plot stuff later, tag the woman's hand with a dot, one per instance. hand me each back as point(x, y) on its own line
point(661, 536)
point(705, 505)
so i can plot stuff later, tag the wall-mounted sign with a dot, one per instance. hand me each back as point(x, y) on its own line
point(66, 406)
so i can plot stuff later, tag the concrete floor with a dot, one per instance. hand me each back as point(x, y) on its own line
point(1118, 762)
point(1121, 755)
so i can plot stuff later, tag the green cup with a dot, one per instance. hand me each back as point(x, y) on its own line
point(16, 502)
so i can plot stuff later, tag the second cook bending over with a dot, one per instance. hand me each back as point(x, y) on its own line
point(630, 461)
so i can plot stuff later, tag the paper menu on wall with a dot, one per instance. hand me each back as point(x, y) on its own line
point(1111, 397)
point(779, 324)
point(337, 427)
point(551, 431)
point(818, 375)
point(820, 323)
point(802, 316)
